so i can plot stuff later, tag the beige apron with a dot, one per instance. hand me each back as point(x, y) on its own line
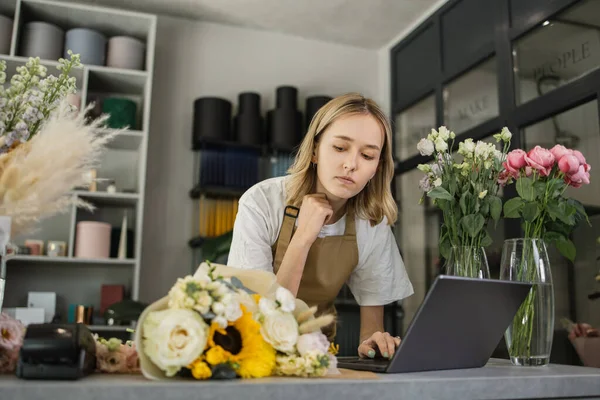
point(329, 264)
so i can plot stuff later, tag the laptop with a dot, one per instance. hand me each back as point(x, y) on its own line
point(458, 325)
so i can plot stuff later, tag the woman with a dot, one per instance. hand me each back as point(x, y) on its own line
point(328, 222)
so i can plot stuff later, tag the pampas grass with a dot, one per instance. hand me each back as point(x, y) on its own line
point(37, 176)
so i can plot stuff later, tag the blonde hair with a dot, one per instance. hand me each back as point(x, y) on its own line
point(375, 200)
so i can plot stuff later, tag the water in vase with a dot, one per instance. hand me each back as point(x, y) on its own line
point(529, 337)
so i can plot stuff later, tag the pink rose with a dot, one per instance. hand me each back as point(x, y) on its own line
point(503, 177)
point(515, 160)
point(579, 156)
point(311, 342)
point(541, 160)
point(559, 151)
point(11, 333)
point(568, 164)
point(8, 360)
point(579, 178)
point(132, 359)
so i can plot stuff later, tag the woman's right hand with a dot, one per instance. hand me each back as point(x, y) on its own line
point(582, 330)
point(315, 211)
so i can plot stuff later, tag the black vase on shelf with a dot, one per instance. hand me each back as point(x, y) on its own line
point(284, 123)
point(313, 104)
point(248, 123)
point(212, 120)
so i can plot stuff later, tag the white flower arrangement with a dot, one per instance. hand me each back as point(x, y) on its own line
point(464, 189)
point(214, 327)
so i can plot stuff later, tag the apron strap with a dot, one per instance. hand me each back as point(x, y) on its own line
point(285, 235)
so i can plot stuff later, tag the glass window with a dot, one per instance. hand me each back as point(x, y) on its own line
point(561, 50)
point(413, 124)
point(472, 98)
point(579, 129)
point(411, 234)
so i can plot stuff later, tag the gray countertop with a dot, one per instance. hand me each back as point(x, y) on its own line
point(497, 380)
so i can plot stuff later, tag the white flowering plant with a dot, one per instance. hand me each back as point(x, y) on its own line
point(464, 186)
point(31, 97)
point(213, 326)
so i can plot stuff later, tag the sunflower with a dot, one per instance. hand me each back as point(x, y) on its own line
point(241, 345)
point(200, 370)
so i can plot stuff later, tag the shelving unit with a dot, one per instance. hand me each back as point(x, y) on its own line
point(79, 280)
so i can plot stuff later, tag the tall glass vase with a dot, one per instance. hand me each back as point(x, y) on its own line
point(468, 261)
point(529, 336)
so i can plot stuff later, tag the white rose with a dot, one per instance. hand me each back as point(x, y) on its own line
point(441, 145)
point(286, 299)
point(280, 330)
point(174, 338)
point(266, 306)
point(314, 341)
point(425, 147)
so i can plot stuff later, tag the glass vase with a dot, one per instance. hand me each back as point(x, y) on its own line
point(529, 336)
point(467, 261)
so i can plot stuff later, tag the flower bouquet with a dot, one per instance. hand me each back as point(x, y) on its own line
point(547, 216)
point(12, 332)
point(115, 357)
point(224, 323)
point(466, 191)
point(46, 147)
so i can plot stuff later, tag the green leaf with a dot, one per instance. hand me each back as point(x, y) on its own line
point(495, 207)
point(540, 189)
point(472, 224)
point(445, 247)
point(525, 188)
point(485, 208)
point(440, 193)
point(552, 237)
point(530, 211)
point(463, 202)
point(581, 213)
point(513, 207)
point(567, 249)
point(453, 188)
point(486, 240)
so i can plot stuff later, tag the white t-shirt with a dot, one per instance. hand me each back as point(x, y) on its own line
point(380, 276)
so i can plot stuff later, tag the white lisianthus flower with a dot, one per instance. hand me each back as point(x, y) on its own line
point(174, 338)
point(286, 299)
point(203, 302)
point(280, 330)
point(424, 167)
point(444, 133)
point(425, 147)
point(266, 306)
point(482, 194)
point(498, 155)
point(481, 150)
point(469, 146)
point(441, 145)
point(220, 321)
point(233, 311)
point(505, 134)
point(314, 341)
point(437, 182)
point(452, 135)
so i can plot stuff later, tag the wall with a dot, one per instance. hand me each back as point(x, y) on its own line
point(195, 59)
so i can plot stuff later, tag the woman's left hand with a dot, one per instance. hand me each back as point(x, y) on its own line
point(380, 344)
